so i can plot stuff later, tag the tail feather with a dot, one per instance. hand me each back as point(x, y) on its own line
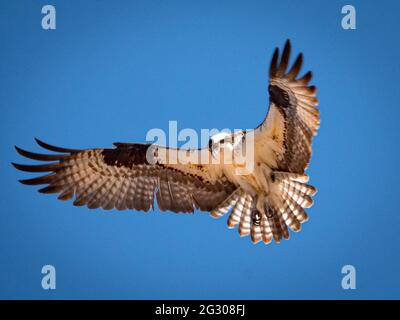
point(245, 220)
point(283, 226)
point(276, 232)
point(266, 230)
point(297, 210)
point(290, 218)
point(256, 233)
point(287, 202)
point(281, 209)
point(226, 205)
point(234, 218)
point(302, 199)
point(276, 222)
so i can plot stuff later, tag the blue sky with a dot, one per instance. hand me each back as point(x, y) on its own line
point(112, 70)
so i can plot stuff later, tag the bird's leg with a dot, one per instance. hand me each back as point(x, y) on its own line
point(266, 178)
point(260, 200)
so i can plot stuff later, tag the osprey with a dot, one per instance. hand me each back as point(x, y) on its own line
point(262, 203)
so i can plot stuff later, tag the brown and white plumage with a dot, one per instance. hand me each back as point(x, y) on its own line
point(123, 178)
point(263, 203)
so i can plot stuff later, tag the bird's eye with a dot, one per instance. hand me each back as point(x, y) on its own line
point(210, 143)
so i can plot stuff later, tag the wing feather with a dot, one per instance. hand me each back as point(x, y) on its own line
point(124, 177)
point(293, 119)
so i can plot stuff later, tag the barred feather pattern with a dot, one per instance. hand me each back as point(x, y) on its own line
point(121, 178)
point(293, 118)
point(295, 195)
point(261, 227)
point(226, 205)
point(296, 101)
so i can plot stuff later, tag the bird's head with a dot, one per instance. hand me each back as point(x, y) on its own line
point(225, 143)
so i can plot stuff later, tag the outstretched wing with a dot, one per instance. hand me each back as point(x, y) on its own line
point(128, 177)
point(284, 138)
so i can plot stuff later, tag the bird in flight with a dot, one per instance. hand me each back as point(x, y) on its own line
point(263, 203)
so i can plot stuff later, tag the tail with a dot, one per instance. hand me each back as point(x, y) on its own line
point(283, 208)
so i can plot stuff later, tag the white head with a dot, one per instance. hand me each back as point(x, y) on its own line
point(226, 142)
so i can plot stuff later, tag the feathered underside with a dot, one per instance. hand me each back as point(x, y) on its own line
point(123, 178)
point(283, 142)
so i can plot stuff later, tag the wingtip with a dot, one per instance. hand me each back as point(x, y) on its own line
point(18, 166)
point(38, 156)
point(41, 143)
point(274, 63)
point(15, 165)
point(50, 147)
point(19, 150)
point(24, 182)
point(287, 46)
point(284, 60)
